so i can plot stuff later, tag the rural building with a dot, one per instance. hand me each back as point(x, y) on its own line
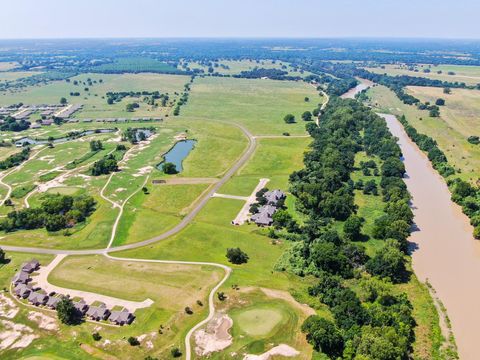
point(98, 313)
point(30, 266)
point(81, 306)
point(21, 277)
point(24, 141)
point(47, 122)
point(35, 126)
point(37, 298)
point(52, 302)
point(274, 196)
point(121, 317)
point(87, 120)
point(22, 290)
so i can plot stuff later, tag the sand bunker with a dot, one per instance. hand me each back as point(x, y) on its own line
point(282, 350)
point(143, 171)
point(15, 335)
point(48, 158)
point(215, 336)
point(43, 321)
point(8, 309)
point(120, 189)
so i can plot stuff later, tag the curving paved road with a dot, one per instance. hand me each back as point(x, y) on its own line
point(180, 226)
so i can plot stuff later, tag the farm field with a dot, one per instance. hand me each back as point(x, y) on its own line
point(14, 75)
point(470, 75)
point(8, 65)
point(451, 140)
point(260, 105)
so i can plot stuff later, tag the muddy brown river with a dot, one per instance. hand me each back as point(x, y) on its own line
point(444, 250)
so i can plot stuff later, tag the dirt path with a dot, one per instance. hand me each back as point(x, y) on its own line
point(444, 251)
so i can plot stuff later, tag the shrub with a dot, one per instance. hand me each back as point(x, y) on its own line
point(133, 341)
point(96, 336)
point(175, 352)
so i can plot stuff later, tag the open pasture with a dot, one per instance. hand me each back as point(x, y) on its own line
point(451, 139)
point(469, 75)
point(260, 105)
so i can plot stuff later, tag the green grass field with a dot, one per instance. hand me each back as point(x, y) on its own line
point(451, 139)
point(260, 105)
point(470, 75)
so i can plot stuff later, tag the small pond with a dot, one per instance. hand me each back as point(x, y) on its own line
point(177, 154)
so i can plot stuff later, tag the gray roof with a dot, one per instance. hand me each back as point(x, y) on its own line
point(53, 301)
point(22, 289)
point(21, 277)
point(264, 215)
point(274, 195)
point(100, 311)
point(37, 298)
point(123, 316)
point(30, 266)
point(80, 305)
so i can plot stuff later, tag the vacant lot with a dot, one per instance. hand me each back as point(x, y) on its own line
point(260, 105)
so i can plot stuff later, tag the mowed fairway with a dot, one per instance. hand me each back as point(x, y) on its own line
point(260, 105)
point(451, 139)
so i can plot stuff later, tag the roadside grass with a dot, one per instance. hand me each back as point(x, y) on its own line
point(172, 287)
point(146, 216)
point(453, 142)
point(260, 105)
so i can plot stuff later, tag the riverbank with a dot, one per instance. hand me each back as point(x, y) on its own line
point(443, 249)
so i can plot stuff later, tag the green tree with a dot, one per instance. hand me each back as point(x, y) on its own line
point(236, 256)
point(175, 352)
point(66, 312)
point(440, 102)
point(307, 116)
point(169, 168)
point(63, 101)
point(352, 228)
point(389, 262)
point(289, 119)
point(323, 335)
point(2, 256)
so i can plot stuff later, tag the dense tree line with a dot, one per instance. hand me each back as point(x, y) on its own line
point(373, 323)
point(55, 212)
point(274, 74)
point(15, 159)
point(10, 124)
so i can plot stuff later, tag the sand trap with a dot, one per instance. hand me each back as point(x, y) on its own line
point(215, 336)
point(48, 158)
point(143, 171)
point(8, 309)
point(43, 321)
point(120, 189)
point(15, 335)
point(282, 350)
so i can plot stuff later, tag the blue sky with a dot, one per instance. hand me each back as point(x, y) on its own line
point(239, 18)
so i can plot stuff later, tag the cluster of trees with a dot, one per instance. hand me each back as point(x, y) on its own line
point(55, 212)
point(134, 135)
point(104, 166)
point(429, 145)
point(15, 159)
point(236, 256)
point(115, 97)
point(10, 124)
point(340, 86)
point(274, 74)
point(130, 107)
point(96, 145)
point(183, 99)
point(376, 322)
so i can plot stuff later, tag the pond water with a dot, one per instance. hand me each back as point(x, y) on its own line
point(177, 154)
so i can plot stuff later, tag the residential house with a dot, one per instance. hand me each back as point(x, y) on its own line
point(21, 277)
point(264, 217)
point(274, 196)
point(22, 290)
point(121, 317)
point(47, 122)
point(98, 313)
point(53, 301)
point(30, 266)
point(37, 298)
point(81, 306)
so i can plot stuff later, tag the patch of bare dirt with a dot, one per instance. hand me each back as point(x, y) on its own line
point(280, 350)
point(44, 321)
point(15, 336)
point(8, 309)
point(215, 336)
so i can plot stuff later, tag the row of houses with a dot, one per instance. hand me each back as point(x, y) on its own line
point(23, 289)
point(114, 120)
point(264, 216)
